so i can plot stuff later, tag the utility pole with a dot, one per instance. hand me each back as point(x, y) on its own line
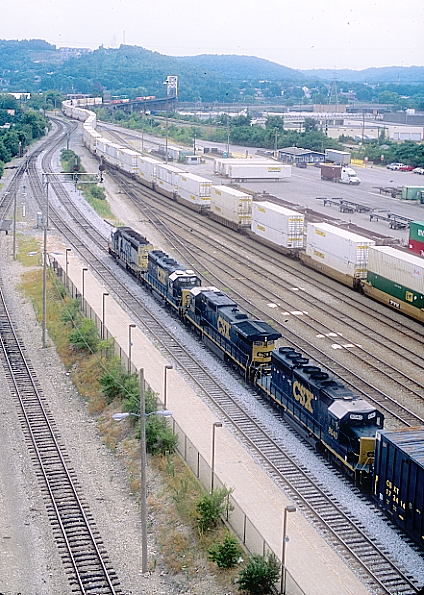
point(276, 143)
point(143, 482)
point(14, 225)
point(166, 138)
point(44, 309)
point(228, 136)
point(194, 141)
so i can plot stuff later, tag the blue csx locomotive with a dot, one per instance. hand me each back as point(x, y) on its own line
point(326, 412)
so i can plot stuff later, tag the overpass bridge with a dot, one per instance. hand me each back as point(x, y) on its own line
point(140, 104)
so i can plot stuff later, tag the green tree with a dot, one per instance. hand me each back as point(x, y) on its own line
point(227, 553)
point(310, 125)
point(84, 336)
point(211, 508)
point(259, 575)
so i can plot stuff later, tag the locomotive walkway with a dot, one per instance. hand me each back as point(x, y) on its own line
point(308, 557)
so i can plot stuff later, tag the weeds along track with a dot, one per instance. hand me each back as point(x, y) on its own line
point(341, 528)
point(83, 555)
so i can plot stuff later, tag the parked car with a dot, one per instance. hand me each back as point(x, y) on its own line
point(396, 166)
point(406, 168)
point(418, 170)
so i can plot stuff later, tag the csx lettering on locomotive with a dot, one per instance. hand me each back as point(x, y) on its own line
point(303, 395)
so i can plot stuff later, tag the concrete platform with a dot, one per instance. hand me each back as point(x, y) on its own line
point(314, 566)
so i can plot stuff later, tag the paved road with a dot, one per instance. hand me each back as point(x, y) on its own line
point(305, 185)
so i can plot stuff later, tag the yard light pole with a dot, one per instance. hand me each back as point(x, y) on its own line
point(130, 327)
point(166, 139)
point(104, 296)
point(216, 424)
point(283, 551)
point(14, 224)
point(143, 462)
point(67, 265)
point(165, 370)
point(84, 270)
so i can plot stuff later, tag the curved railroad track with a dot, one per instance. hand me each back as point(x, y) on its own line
point(343, 530)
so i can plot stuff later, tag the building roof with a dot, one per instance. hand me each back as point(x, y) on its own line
point(298, 151)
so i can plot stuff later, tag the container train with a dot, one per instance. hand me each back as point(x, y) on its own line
point(346, 427)
point(332, 250)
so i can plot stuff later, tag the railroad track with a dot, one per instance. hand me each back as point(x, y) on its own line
point(166, 223)
point(370, 559)
point(81, 548)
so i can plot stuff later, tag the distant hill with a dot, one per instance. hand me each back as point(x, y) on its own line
point(241, 67)
point(387, 74)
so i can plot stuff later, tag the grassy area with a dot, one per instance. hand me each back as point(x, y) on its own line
point(94, 194)
point(29, 251)
point(174, 501)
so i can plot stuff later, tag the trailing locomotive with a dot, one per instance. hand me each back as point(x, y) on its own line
point(331, 416)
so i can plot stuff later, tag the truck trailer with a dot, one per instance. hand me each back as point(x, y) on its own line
point(337, 173)
point(338, 157)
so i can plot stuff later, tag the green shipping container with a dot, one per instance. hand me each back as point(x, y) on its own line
point(399, 292)
point(412, 192)
point(416, 231)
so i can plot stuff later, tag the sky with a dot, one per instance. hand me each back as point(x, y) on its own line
point(305, 34)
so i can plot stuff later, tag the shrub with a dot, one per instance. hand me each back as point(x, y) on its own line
point(97, 192)
point(71, 312)
point(227, 553)
point(259, 575)
point(159, 437)
point(84, 336)
point(210, 508)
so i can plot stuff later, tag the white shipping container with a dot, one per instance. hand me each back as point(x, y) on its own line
point(279, 218)
point(168, 173)
point(194, 189)
point(259, 171)
point(221, 165)
point(128, 160)
point(112, 152)
point(232, 205)
point(277, 237)
point(340, 249)
point(147, 168)
point(101, 144)
point(400, 267)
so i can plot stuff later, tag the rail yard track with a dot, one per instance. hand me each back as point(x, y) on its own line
point(343, 530)
point(215, 255)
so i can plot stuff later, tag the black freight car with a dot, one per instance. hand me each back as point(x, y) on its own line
point(399, 478)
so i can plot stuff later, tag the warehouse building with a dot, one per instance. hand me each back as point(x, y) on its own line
point(295, 155)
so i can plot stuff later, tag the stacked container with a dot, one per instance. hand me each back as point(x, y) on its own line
point(194, 189)
point(398, 274)
point(147, 169)
point(278, 225)
point(166, 178)
point(112, 152)
point(412, 192)
point(231, 205)
point(128, 160)
point(338, 249)
point(416, 237)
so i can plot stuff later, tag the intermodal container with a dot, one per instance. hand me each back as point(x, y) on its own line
point(221, 166)
point(147, 168)
point(399, 478)
point(195, 189)
point(400, 292)
point(277, 237)
point(416, 247)
point(339, 157)
point(416, 231)
point(256, 171)
point(403, 268)
point(128, 160)
point(339, 249)
point(412, 192)
point(288, 223)
point(231, 205)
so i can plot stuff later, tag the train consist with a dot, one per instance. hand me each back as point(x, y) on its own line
point(330, 416)
point(389, 275)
